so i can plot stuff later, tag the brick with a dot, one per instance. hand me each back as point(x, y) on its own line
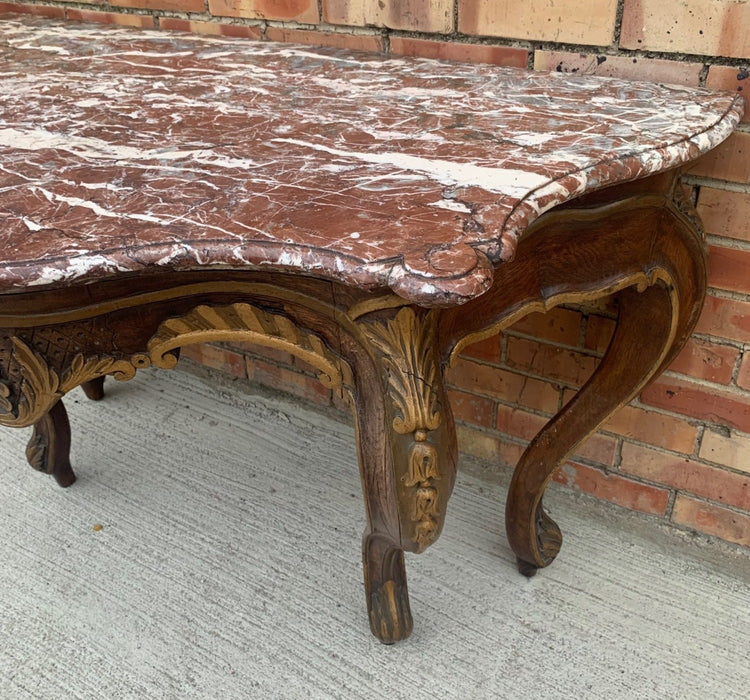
point(725, 318)
point(712, 520)
point(725, 213)
point(238, 31)
point(614, 488)
point(339, 40)
point(728, 268)
point(173, 5)
point(687, 475)
point(482, 379)
point(729, 78)
point(732, 451)
point(558, 325)
point(743, 376)
point(478, 444)
point(141, 21)
point(279, 357)
point(289, 381)
point(519, 423)
point(550, 361)
point(487, 349)
point(704, 360)
point(39, 10)
point(508, 387)
point(191, 352)
point(411, 15)
point(589, 22)
point(454, 51)
point(297, 10)
point(538, 395)
point(510, 453)
point(728, 161)
point(705, 27)
point(654, 428)
point(599, 332)
point(655, 70)
point(708, 404)
point(223, 359)
point(597, 448)
point(472, 409)
point(175, 24)
point(525, 425)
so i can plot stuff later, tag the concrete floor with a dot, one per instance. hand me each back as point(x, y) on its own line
point(228, 566)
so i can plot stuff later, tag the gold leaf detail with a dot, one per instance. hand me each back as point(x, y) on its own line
point(425, 515)
point(245, 322)
point(404, 343)
point(41, 386)
point(423, 464)
point(36, 452)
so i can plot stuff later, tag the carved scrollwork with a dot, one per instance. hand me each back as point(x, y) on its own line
point(245, 322)
point(404, 343)
point(24, 402)
point(42, 386)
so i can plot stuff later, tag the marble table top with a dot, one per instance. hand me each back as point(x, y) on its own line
point(126, 150)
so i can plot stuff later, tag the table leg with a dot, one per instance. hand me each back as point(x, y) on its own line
point(407, 452)
point(642, 339)
point(648, 251)
point(48, 449)
point(94, 389)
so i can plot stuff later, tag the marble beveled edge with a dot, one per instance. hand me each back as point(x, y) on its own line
point(445, 277)
point(613, 172)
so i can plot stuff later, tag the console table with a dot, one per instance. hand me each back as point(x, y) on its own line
point(372, 215)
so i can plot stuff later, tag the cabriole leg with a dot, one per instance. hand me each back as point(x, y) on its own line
point(642, 339)
point(407, 451)
point(48, 449)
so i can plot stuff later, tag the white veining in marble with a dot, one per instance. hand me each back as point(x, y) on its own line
point(125, 150)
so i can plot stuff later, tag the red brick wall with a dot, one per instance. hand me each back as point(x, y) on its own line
point(682, 450)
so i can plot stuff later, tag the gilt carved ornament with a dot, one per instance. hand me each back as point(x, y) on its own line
point(23, 403)
point(412, 376)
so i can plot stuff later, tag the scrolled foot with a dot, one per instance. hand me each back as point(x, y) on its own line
point(548, 536)
point(48, 449)
point(94, 389)
point(385, 586)
point(526, 568)
point(548, 539)
point(390, 615)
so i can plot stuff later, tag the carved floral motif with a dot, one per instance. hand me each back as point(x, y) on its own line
point(42, 386)
point(407, 355)
point(25, 402)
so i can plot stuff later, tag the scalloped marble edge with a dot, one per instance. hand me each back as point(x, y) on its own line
point(469, 270)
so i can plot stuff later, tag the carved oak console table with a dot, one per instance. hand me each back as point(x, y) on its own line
point(372, 215)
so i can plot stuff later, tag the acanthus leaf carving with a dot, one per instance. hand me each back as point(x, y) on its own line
point(41, 386)
point(412, 371)
point(404, 344)
point(36, 452)
point(246, 322)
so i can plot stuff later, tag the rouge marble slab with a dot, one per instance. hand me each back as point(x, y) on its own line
point(411, 174)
